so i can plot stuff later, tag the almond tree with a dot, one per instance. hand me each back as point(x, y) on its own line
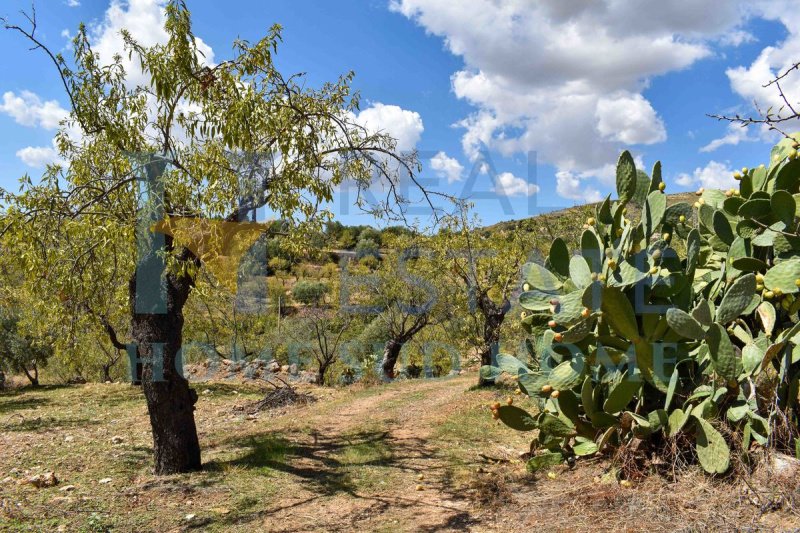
point(485, 265)
point(212, 141)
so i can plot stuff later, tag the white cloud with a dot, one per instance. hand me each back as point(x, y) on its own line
point(73, 3)
point(736, 38)
point(630, 119)
point(714, 175)
point(447, 167)
point(144, 20)
point(566, 78)
point(571, 186)
point(27, 109)
point(748, 81)
point(405, 126)
point(38, 156)
point(736, 134)
point(507, 184)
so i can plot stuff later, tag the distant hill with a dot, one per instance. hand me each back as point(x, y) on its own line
point(568, 223)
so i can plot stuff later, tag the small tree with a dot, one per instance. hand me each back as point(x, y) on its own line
point(486, 268)
point(404, 297)
point(323, 334)
point(19, 350)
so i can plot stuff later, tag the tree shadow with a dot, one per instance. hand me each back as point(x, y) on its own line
point(325, 465)
point(21, 402)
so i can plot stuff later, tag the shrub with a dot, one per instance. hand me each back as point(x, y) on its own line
point(631, 340)
point(367, 247)
point(310, 292)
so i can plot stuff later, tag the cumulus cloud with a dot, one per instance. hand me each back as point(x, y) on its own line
point(73, 3)
point(630, 119)
point(574, 187)
point(144, 20)
point(566, 78)
point(27, 109)
point(447, 167)
point(714, 175)
point(736, 134)
point(507, 184)
point(404, 125)
point(38, 156)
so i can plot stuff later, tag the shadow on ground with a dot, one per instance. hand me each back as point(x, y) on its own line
point(330, 466)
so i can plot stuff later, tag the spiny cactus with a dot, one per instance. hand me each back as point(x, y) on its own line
point(632, 340)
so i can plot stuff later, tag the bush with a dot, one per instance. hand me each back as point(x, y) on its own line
point(367, 247)
point(21, 351)
point(631, 340)
point(279, 265)
point(310, 292)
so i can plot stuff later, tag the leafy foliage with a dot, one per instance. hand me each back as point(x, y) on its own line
point(631, 339)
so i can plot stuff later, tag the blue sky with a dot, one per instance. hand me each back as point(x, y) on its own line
point(571, 82)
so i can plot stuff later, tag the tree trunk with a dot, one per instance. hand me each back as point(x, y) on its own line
point(321, 374)
point(391, 353)
point(170, 401)
point(493, 321)
point(106, 373)
point(33, 378)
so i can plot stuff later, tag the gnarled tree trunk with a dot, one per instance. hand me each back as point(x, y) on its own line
point(391, 352)
point(170, 401)
point(493, 315)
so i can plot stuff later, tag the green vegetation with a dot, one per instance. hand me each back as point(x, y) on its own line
point(632, 341)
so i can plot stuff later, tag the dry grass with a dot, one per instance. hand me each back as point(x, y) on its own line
point(352, 460)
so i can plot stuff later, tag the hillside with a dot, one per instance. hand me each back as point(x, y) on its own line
point(419, 455)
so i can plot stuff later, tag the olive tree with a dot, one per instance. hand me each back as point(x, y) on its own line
point(199, 140)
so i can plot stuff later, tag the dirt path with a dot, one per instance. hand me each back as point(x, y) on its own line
point(399, 420)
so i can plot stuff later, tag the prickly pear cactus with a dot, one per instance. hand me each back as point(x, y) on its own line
point(632, 339)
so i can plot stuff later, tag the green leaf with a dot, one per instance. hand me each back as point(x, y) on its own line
point(622, 394)
point(490, 372)
point(567, 403)
point(673, 384)
point(516, 418)
point(677, 419)
point(591, 250)
point(510, 364)
point(559, 257)
point(585, 448)
point(752, 356)
point(532, 382)
point(749, 264)
point(702, 313)
point(684, 324)
point(544, 460)
point(783, 276)
point(722, 228)
point(653, 213)
point(618, 312)
point(568, 374)
point(721, 351)
point(540, 278)
point(552, 425)
point(626, 177)
point(783, 206)
point(757, 208)
point(536, 300)
point(737, 298)
point(579, 272)
point(712, 450)
point(692, 252)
